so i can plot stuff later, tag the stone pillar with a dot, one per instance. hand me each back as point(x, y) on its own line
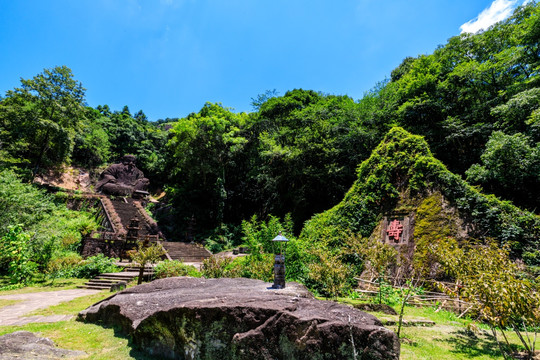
point(279, 272)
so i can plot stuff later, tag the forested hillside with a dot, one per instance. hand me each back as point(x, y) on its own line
point(476, 100)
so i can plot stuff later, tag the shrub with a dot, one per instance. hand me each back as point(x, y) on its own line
point(259, 267)
point(258, 234)
point(218, 267)
point(173, 268)
point(14, 253)
point(94, 266)
point(64, 265)
point(329, 276)
point(224, 237)
point(146, 254)
point(487, 278)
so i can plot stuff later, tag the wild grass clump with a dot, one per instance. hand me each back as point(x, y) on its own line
point(172, 268)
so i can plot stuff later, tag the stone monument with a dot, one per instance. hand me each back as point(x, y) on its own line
point(123, 179)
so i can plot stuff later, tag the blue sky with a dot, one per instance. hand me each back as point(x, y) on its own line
point(169, 57)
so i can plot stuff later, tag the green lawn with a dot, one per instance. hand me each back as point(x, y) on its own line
point(98, 342)
point(49, 285)
point(72, 307)
point(449, 338)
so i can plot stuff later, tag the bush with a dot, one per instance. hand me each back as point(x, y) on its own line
point(14, 254)
point(258, 234)
point(218, 267)
point(259, 267)
point(173, 268)
point(94, 266)
point(64, 266)
point(329, 276)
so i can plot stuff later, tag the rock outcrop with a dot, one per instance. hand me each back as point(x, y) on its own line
point(191, 318)
point(26, 345)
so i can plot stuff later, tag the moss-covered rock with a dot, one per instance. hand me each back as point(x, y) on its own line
point(402, 172)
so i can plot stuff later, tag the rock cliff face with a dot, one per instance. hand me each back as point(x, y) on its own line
point(190, 318)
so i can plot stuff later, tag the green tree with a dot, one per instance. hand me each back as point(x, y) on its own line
point(448, 96)
point(207, 165)
point(490, 282)
point(308, 146)
point(510, 166)
point(92, 146)
point(42, 117)
point(147, 255)
point(116, 133)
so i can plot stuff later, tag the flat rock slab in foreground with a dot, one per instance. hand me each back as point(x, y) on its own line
point(26, 345)
point(190, 318)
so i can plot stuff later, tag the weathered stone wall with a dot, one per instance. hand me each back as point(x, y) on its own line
point(115, 248)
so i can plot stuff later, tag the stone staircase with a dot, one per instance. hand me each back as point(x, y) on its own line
point(127, 209)
point(119, 280)
point(186, 252)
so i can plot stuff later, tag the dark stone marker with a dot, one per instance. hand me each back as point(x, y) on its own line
point(279, 272)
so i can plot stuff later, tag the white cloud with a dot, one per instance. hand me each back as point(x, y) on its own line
point(497, 11)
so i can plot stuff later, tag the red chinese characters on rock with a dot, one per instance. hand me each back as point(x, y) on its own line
point(394, 230)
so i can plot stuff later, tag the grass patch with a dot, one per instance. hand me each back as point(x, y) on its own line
point(49, 285)
point(451, 338)
point(5, 302)
point(98, 342)
point(444, 342)
point(72, 307)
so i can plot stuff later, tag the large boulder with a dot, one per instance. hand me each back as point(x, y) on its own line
point(26, 345)
point(191, 318)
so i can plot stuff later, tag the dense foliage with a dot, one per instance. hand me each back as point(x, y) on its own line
point(36, 231)
point(46, 123)
point(476, 100)
point(476, 89)
point(402, 167)
point(492, 283)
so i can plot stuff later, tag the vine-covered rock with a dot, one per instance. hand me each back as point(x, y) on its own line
point(402, 169)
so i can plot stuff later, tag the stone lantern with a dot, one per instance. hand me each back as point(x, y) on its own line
point(279, 265)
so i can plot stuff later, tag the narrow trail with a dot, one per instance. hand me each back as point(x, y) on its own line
point(14, 314)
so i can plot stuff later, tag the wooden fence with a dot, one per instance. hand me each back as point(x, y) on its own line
point(425, 298)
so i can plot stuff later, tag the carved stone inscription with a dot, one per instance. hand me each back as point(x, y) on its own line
point(396, 229)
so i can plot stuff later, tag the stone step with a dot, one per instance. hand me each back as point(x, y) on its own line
point(186, 252)
point(103, 282)
point(136, 269)
point(188, 255)
point(121, 275)
point(94, 287)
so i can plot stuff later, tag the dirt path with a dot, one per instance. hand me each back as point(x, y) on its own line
point(14, 314)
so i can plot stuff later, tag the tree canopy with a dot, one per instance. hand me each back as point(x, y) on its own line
point(475, 100)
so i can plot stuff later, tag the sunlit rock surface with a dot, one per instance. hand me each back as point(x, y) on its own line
point(191, 318)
